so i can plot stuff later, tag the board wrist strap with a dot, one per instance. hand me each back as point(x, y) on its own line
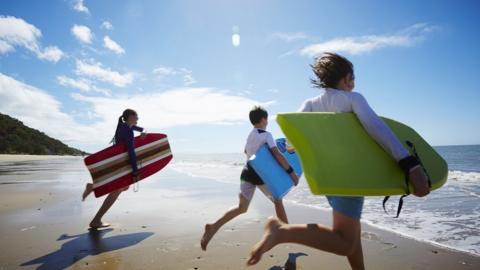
point(407, 164)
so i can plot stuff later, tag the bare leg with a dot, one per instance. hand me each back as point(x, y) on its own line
point(342, 239)
point(351, 229)
point(87, 191)
point(356, 258)
point(212, 228)
point(111, 198)
point(280, 211)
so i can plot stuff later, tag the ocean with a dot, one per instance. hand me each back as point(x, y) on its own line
point(449, 216)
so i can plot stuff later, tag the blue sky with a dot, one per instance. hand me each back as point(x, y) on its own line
point(70, 67)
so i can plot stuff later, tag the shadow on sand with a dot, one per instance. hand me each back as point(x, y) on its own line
point(82, 245)
point(291, 263)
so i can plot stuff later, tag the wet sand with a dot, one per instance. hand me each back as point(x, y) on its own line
point(43, 225)
point(10, 158)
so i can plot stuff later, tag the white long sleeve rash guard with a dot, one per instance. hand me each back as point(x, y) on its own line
point(333, 100)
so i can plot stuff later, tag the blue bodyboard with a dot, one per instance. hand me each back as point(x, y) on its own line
point(273, 175)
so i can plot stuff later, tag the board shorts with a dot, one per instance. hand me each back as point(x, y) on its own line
point(249, 175)
point(349, 206)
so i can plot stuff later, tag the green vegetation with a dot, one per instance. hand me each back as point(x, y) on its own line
point(16, 138)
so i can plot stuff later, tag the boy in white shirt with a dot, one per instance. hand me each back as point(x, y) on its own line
point(250, 180)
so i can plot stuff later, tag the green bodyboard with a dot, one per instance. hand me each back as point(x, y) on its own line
point(339, 157)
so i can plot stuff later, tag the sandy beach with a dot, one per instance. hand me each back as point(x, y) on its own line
point(43, 225)
point(17, 158)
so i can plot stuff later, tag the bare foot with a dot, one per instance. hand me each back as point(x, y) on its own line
point(269, 240)
point(98, 225)
point(87, 191)
point(207, 235)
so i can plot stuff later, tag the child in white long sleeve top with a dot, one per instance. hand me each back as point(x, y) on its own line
point(335, 74)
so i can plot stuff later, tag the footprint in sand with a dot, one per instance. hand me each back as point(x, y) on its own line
point(374, 237)
point(389, 246)
point(370, 236)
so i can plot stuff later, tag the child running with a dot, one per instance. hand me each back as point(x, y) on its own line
point(335, 74)
point(127, 123)
point(250, 180)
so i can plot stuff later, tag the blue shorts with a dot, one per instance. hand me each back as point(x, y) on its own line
point(349, 206)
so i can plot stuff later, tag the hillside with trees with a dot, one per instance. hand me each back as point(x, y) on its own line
point(16, 138)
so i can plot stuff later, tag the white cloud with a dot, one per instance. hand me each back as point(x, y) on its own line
point(158, 110)
point(273, 90)
point(80, 7)
point(187, 76)
point(81, 84)
point(17, 32)
point(164, 72)
point(289, 36)
point(112, 45)
point(363, 44)
point(96, 71)
point(82, 33)
point(106, 25)
point(51, 53)
point(177, 107)
point(39, 110)
point(188, 80)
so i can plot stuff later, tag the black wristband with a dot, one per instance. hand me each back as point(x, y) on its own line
point(407, 163)
point(289, 170)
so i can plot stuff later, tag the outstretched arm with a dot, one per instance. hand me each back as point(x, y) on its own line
point(137, 128)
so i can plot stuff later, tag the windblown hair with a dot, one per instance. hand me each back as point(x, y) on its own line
point(329, 69)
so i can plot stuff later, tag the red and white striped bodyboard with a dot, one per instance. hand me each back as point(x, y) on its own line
point(111, 170)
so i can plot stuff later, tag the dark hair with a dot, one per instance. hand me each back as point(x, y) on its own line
point(256, 114)
point(122, 119)
point(329, 69)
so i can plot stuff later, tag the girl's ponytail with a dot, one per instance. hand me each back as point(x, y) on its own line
point(122, 119)
point(115, 137)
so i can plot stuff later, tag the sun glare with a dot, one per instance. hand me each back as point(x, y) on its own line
point(236, 40)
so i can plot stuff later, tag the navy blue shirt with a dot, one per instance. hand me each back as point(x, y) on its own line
point(125, 135)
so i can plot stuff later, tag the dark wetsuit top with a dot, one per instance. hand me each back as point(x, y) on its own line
point(125, 135)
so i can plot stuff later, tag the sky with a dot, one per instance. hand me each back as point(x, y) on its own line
point(193, 69)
